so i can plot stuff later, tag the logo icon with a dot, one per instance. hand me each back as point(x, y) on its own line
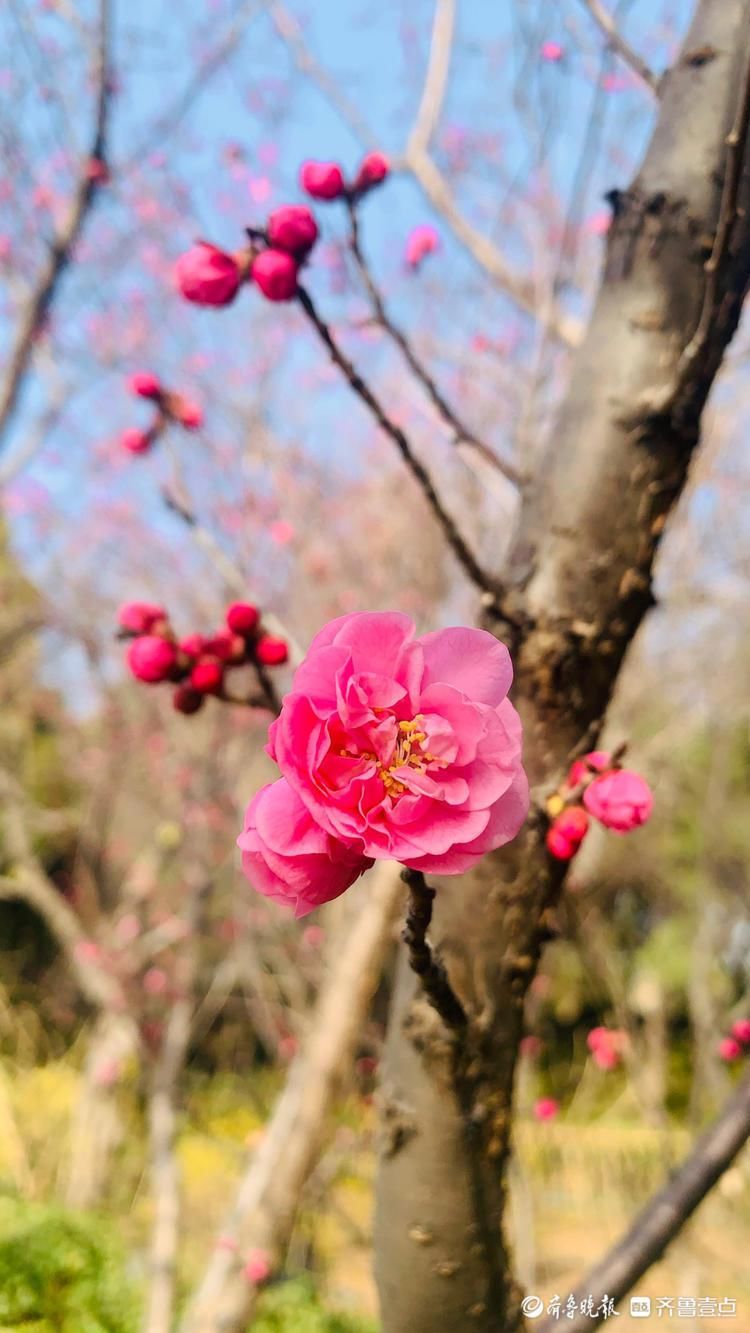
point(640, 1307)
point(532, 1306)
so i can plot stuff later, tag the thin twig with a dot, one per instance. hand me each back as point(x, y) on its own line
point(736, 142)
point(466, 558)
point(422, 960)
point(63, 243)
point(521, 290)
point(621, 46)
point(462, 434)
point(664, 1216)
point(291, 34)
point(234, 577)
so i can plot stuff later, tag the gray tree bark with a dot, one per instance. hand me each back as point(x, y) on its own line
point(580, 586)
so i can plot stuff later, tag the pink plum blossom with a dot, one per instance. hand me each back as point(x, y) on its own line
point(552, 52)
point(257, 1267)
point(420, 242)
point(741, 1030)
point(729, 1050)
point(403, 748)
point(546, 1108)
point(621, 800)
point(289, 858)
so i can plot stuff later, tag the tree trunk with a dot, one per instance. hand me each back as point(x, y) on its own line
point(581, 585)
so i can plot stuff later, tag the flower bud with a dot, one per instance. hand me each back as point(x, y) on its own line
point(421, 241)
point(546, 1108)
point(225, 645)
point(292, 228)
point(136, 441)
point(207, 677)
point(741, 1030)
point(729, 1050)
point(275, 273)
point(145, 385)
point(373, 170)
point(186, 412)
point(140, 617)
point(185, 700)
point(270, 651)
point(597, 761)
point(192, 645)
point(207, 275)
point(620, 800)
point(322, 180)
point(242, 618)
point(566, 833)
point(151, 658)
point(257, 1267)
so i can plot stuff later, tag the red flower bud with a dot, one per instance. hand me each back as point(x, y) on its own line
point(140, 617)
point(152, 658)
point(597, 761)
point(566, 833)
point(207, 677)
point(144, 385)
point(242, 618)
point(187, 413)
point(136, 441)
point(97, 171)
point(372, 171)
point(620, 800)
point(293, 228)
point(741, 1030)
point(729, 1049)
point(185, 700)
point(270, 651)
point(207, 275)
point(192, 645)
point(573, 823)
point(559, 846)
point(275, 272)
point(322, 180)
point(225, 645)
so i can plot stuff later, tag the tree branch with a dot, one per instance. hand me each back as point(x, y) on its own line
point(63, 243)
point(664, 1216)
point(436, 80)
point(736, 147)
point(621, 46)
point(462, 434)
point(466, 558)
point(422, 960)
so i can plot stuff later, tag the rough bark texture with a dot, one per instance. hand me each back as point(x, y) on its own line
point(581, 585)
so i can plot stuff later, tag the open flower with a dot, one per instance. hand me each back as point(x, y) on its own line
point(404, 748)
point(287, 857)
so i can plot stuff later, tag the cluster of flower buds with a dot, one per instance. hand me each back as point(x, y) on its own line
point(326, 180)
point(196, 665)
point(207, 275)
point(271, 260)
point(168, 407)
point(617, 797)
point(737, 1044)
point(606, 1046)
